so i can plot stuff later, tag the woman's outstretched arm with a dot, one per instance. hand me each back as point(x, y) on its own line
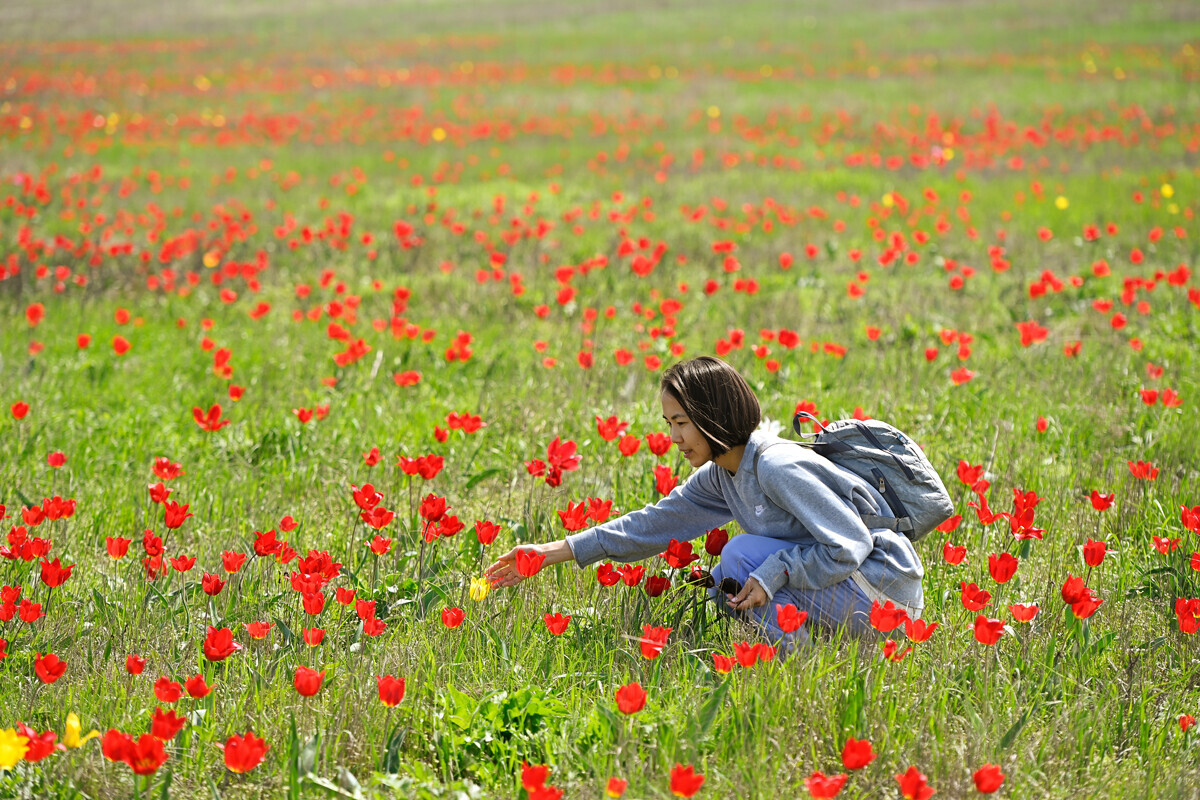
point(690, 510)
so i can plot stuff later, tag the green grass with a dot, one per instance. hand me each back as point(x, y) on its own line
point(1067, 708)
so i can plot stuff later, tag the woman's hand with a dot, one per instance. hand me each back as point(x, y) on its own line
point(504, 571)
point(752, 595)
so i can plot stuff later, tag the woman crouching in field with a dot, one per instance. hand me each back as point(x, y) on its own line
point(804, 540)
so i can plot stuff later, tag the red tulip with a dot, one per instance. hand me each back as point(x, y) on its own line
point(232, 562)
point(55, 574)
point(529, 562)
point(974, 598)
point(308, 681)
point(557, 623)
point(391, 690)
point(917, 631)
point(165, 725)
point(631, 698)
point(857, 754)
point(134, 665)
point(1023, 613)
point(244, 753)
point(615, 787)
point(39, 745)
point(607, 575)
point(746, 654)
point(183, 563)
point(950, 524)
point(600, 510)
point(822, 786)
point(116, 546)
point(575, 518)
point(212, 586)
point(196, 688)
point(49, 667)
point(312, 636)
point(1186, 721)
point(258, 630)
point(167, 690)
point(1094, 552)
point(684, 781)
point(988, 631)
point(56, 459)
point(1086, 606)
point(452, 617)
point(789, 618)
point(1002, 567)
point(219, 644)
point(432, 508)
point(147, 755)
point(166, 469)
point(722, 664)
point(486, 532)
point(659, 443)
point(211, 420)
point(715, 541)
point(533, 778)
point(655, 585)
point(953, 554)
point(1101, 502)
point(679, 554)
point(653, 640)
point(116, 746)
point(378, 517)
point(887, 618)
point(159, 492)
point(631, 575)
point(665, 480)
point(175, 514)
point(892, 651)
point(988, 778)
point(913, 785)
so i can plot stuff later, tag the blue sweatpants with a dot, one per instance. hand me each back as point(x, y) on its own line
point(843, 605)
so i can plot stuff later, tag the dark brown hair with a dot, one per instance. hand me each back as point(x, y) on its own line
point(717, 400)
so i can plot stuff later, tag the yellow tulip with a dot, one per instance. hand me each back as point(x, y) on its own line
point(71, 737)
point(13, 747)
point(479, 588)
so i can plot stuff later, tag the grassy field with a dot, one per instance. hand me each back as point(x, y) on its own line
point(466, 230)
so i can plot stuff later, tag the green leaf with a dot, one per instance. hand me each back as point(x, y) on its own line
point(330, 787)
point(1011, 734)
point(707, 715)
point(479, 477)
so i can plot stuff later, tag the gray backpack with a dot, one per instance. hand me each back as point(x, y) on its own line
point(892, 463)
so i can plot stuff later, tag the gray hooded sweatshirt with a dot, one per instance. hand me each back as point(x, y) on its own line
point(783, 492)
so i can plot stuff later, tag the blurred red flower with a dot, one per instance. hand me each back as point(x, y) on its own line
point(219, 644)
point(308, 681)
point(631, 698)
point(913, 785)
point(988, 778)
point(244, 753)
point(391, 690)
point(49, 667)
point(685, 782)
point(857, 753)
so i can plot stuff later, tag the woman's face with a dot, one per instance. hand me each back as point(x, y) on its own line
point(684, 434)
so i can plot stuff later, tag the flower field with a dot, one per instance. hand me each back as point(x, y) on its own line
point(311, 314)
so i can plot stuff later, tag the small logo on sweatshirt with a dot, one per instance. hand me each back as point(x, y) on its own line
point(758, 511)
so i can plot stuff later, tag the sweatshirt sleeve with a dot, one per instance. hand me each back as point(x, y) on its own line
point(842, 541)
point(690, 510)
